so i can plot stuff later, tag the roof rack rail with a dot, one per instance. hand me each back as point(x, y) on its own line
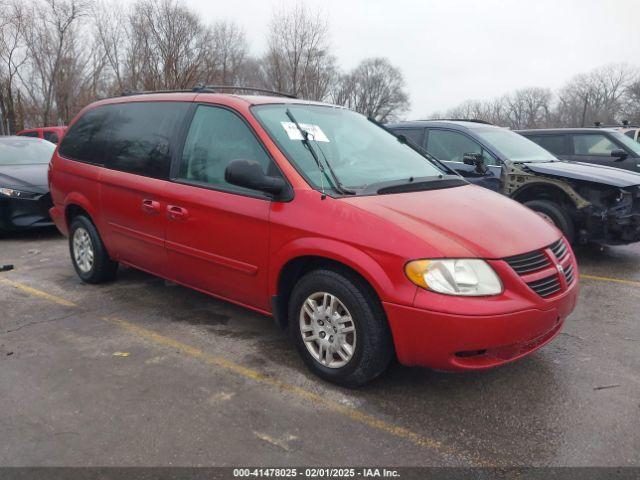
point(214, 88)
point(208, 89)
point(474, 120)
point(625, 124)
point(128, 93)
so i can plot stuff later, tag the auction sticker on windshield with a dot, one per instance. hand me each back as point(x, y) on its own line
point(314, 131)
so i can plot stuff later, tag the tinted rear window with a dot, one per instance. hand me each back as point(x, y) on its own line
point(414, 135)
point(141, 136)
point(132, 137)
point(86, 139)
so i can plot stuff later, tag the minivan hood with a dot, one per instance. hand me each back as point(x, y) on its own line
point(588, 172)
point(466, 221)
point(31, 178)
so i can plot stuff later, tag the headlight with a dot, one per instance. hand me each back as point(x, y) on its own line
point(10, 192)
point(466, 277)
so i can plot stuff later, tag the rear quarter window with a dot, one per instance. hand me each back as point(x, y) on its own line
point(552, 143)
point(135, 137)
point(85, 141)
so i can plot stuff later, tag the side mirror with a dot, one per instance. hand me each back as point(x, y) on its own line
point(475, 159)
point(619, 154)
point(249, 174)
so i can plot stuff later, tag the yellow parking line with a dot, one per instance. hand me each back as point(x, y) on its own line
point(194, 352)
point(349, 412)
point(38, 293)
point(610, 279)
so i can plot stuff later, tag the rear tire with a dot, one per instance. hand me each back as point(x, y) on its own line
point(88, 254)
point(350, 359)
point(557, 214)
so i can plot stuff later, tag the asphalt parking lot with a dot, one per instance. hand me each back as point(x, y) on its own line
point(142, 372)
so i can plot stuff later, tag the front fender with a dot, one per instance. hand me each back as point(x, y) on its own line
point(397, 289)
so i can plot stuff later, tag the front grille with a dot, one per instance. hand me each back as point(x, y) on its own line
point(559, 249)
point(569, 274)
point(528, 262)
point(546, 263)
point(546, 286)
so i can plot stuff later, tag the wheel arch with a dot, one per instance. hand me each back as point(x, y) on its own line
point(544, 191)
point(296, 260)
point(76, 204)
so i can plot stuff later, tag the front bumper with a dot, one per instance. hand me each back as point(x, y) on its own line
point(18, 213)
point(465, 342)
point(616, 225)
point(472, 333)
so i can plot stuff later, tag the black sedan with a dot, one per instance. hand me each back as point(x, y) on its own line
point(24, 193)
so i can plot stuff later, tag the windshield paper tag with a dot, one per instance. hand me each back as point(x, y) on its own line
point(314, 131)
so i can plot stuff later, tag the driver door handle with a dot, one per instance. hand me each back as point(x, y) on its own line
point(177, 213)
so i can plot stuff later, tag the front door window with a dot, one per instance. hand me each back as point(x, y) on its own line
point(452, 146)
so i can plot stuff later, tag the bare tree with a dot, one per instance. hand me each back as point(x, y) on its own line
point(113, 40)
point(374, 88)
point(170, 47)
point(631, 107)
point(229, 53)
point(528, 108)
point(593, 96)
point(298, 60)
point(50, 35)
point(12, 58)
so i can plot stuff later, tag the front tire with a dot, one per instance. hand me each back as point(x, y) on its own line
point(339, 327)
point(89, 256)
point(556, 214)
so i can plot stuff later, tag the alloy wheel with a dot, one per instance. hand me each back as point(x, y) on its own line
point(83, 250)
point(327, 330)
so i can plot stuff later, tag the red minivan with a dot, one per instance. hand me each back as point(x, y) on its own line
point(362, 246)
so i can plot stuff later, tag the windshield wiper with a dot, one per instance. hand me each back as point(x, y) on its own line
point(414, 184)
point(305, 139)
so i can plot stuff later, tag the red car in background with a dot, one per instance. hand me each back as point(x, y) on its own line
point(51, 134)
point(362, 246)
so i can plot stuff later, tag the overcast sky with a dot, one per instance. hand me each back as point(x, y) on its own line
point(450, 50)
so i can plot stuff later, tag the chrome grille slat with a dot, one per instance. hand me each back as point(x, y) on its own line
point(569, 274)
point(559, 249)
point(540, 284)
point(546, 286)
point(528, 262)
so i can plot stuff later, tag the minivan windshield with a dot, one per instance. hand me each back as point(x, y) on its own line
point(23, 151)
point(513, 146)
point(361, 153)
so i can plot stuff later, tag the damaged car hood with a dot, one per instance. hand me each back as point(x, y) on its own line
point(587, 172)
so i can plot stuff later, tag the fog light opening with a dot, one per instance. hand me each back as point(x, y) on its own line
point(471, 353)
